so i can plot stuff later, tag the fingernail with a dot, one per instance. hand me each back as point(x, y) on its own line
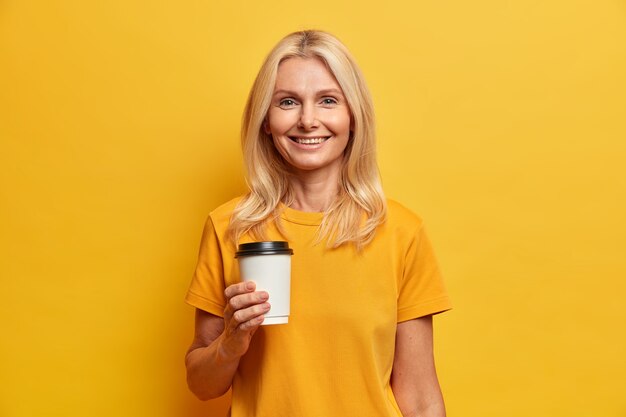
point(249, 286)
point(264, 296)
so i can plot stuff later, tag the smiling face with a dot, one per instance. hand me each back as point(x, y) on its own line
point(309, 118)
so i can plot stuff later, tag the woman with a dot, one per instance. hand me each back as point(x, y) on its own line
point(365, 283)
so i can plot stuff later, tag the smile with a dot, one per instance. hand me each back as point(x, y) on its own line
point(309, 141)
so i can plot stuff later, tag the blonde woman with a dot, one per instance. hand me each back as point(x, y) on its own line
point(365, 282)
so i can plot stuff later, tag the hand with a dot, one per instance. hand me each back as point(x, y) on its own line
point(243, 315)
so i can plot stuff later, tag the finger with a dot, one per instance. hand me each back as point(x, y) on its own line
point(251, 325)
point(233, 291)
point(242, 301)
point(241, 317)
point(244, 323)
point(239, 288)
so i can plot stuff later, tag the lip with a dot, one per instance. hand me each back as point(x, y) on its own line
point(309, 137)
point(309, 147)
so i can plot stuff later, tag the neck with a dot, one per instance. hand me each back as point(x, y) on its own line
point(314, 191)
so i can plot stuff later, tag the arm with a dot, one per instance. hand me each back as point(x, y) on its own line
point(413, 378)
point(219, 343)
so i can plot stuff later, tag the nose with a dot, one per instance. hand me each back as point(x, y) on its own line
point(308, 117)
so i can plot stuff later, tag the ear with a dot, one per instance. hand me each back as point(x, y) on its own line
point(266, 126)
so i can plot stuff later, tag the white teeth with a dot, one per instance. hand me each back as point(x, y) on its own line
point(310, 141)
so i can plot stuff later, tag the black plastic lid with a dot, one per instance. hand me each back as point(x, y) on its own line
point(264, 248)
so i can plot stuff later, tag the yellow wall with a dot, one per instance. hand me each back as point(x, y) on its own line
point(502, 123)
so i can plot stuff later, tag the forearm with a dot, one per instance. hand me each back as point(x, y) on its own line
point(414, 379)
point(432, 410)
point(210, 371)
point(428, 404)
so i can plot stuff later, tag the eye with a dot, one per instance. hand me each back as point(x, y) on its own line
point(329, 101)
point(287, 102)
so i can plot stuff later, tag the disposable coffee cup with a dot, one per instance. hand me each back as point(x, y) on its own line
point(268, 264)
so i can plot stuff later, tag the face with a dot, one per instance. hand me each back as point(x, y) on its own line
point(309, 118)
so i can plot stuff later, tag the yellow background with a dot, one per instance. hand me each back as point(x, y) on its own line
point(501, 122)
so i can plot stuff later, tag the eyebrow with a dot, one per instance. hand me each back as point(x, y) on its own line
point(321, 92)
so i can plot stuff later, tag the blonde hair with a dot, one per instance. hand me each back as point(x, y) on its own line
point(359, 207)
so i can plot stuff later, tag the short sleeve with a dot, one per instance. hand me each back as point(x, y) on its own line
point(206, 291)
point(422, 291)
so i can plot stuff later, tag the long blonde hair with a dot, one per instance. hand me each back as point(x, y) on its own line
point(359, 207)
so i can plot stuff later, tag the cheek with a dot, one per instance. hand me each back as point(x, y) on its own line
point(280, 148)
point(278, 123)
point(341, 119)
point(340, 122)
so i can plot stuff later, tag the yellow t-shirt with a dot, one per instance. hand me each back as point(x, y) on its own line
point(334, 357)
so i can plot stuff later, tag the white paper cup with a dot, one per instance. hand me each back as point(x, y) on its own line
point(268, 264)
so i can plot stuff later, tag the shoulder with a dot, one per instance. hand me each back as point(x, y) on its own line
point(400, 215)
point(226, 209)
point(220, 216)
point(402, 224)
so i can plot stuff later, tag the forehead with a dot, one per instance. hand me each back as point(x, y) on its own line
point(304, 74)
